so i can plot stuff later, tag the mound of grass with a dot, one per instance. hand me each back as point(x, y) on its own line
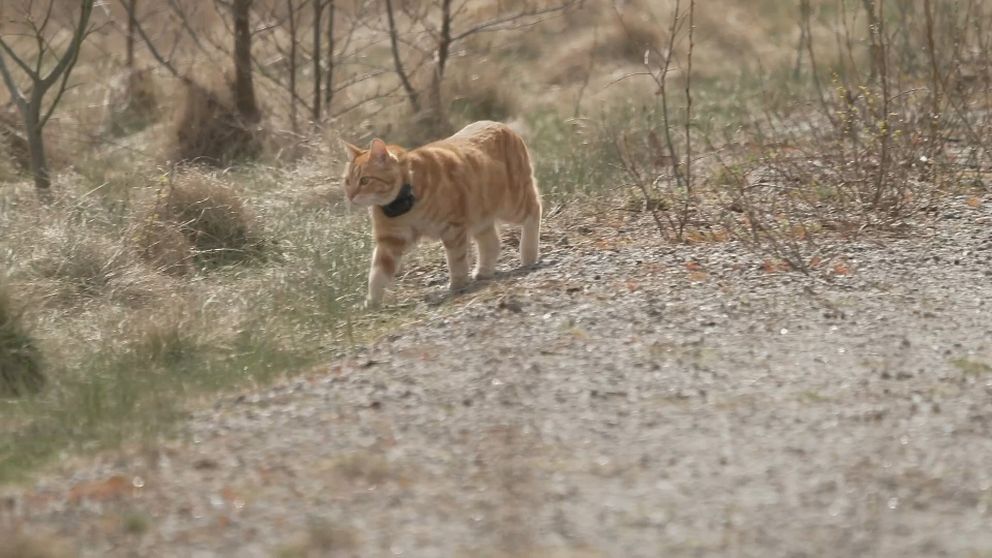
point(20, 359)
point(80, 262)
point(197, 218)
point(210, 131)
point(164, 246)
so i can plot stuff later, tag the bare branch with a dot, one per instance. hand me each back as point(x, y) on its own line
point(21, 63)
point(512, 21)
point(411, 93)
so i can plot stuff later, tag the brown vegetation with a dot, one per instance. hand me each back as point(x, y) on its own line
point(210, 130)
point(197, 217)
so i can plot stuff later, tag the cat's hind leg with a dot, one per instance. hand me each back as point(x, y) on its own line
point(488, 243)
point(530, 237)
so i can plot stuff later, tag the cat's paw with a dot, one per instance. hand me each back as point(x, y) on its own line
point(457, 285)
point(483, 274)
point(372, 304)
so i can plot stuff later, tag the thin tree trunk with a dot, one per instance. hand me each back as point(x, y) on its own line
point(441, 61)
point(444, 46)
point(318, 12)
point(244, 89)
point(875, 48)
point(804, 11)
point(131, 21)
point(411, 93)
point(36, 148)
point(292, 65)
point(329, 77)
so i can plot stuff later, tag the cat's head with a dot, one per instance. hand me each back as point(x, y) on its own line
point(373, 176)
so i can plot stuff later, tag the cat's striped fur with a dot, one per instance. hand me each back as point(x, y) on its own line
point(463, 186)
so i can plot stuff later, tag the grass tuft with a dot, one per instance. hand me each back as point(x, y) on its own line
point(198, 217)
point(20, 359)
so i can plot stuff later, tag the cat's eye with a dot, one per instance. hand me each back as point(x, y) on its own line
point(363, 181)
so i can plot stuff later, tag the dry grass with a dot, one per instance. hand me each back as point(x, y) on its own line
point(196, 217)
point(126, 342)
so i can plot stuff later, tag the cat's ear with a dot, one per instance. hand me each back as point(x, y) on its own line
point(353, 150)
point(378, 151)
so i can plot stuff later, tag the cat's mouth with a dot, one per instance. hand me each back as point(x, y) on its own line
point(364, 200)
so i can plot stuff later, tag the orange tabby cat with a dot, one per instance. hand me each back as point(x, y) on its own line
point(451, 189)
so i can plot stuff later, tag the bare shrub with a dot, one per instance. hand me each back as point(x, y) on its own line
point(210, 130)
point(20, 359)
point(483, 96)
point(134, 102)
point(878, 142)
point(630, 37)
point(197, 218)
point(13, 141)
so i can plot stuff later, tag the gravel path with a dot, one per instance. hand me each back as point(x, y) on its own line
point(629, 398)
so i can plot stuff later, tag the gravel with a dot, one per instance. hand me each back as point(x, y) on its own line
point(626, 398)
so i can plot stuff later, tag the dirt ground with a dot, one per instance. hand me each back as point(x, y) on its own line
point(628, 398)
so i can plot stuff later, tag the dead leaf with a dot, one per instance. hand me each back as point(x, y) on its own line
point(579, 333)
point(775, 266)
point(815, 262)
point(102, 490)
point(693, 266)
point(229, 494)
point(699, 276)
point(974, 202)
point(841, 268)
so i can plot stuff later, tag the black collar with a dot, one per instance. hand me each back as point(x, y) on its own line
point(402, 204)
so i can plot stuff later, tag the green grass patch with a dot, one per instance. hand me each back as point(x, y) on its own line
point(970, 367)
point(129, 348)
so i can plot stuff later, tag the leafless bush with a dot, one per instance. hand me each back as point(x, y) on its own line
point(483, 96)
point(886, 134)
point(664, 176)
point(210, 130)
point(134, 104)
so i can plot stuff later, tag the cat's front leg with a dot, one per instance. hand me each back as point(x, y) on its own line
point(456, 250)
point(385, 260)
